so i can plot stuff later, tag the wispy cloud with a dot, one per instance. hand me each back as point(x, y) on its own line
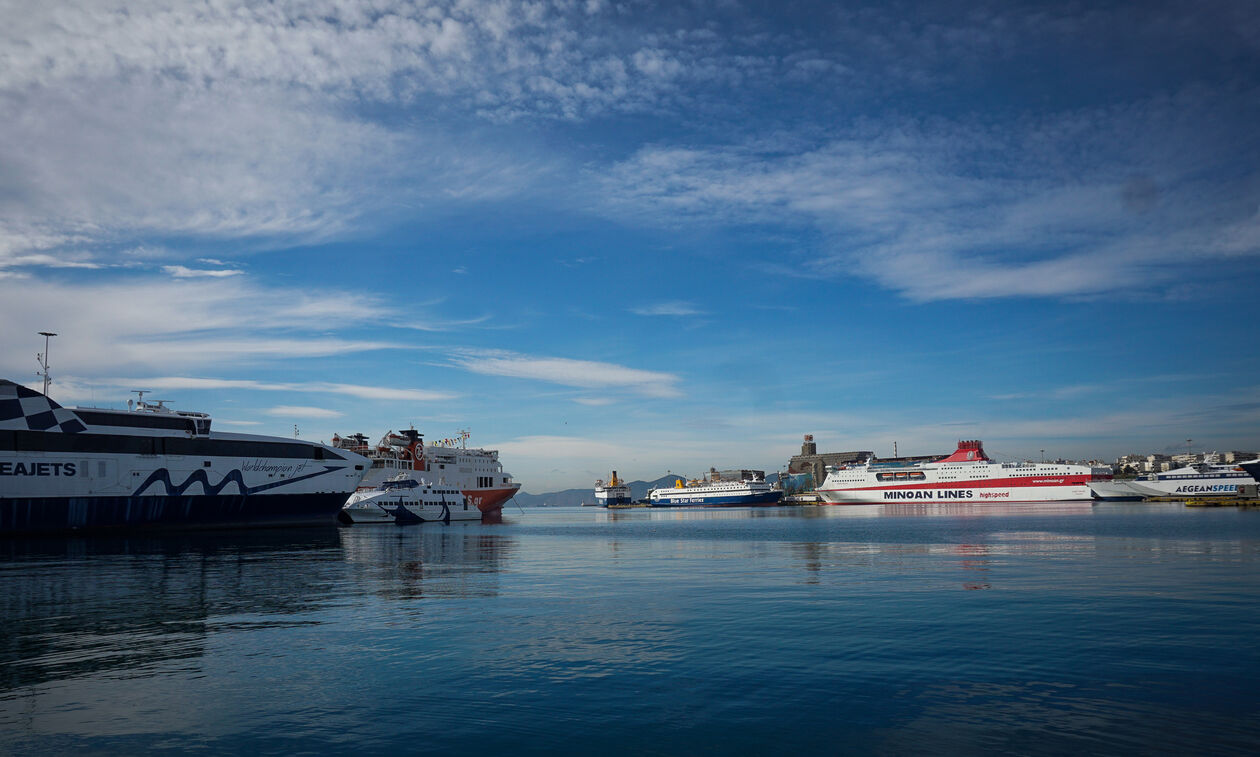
point(947, 212)
point(668, 308)
point(144, 323)
point(182, 272)
point(233, 119)
point(584, 374)
point(299, 411)
point(350, 390)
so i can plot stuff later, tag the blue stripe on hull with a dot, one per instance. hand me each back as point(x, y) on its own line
point(769, 498)
point(44, 514)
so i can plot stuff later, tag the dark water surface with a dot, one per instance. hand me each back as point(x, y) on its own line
point(888, 629)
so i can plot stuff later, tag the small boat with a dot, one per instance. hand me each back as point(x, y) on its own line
point(404, 500)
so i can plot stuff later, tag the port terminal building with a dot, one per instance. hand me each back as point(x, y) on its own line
point(809, 468)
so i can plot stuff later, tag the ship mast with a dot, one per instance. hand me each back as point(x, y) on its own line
point(42, 358)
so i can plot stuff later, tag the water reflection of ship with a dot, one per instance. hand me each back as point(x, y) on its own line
point(459, 560)
point(76, 607)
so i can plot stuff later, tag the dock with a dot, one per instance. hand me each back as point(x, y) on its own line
point(1223, 502)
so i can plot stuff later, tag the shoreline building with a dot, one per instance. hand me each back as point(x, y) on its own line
point(809, 468)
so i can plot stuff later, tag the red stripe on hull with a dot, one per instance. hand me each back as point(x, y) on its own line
point(983, 483)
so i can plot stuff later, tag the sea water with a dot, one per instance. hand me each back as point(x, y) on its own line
point(881, 629)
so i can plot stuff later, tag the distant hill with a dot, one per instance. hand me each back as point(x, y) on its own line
point(575, 497)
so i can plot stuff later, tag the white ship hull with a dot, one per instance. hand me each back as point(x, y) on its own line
point(1117, 490)
point(408, 507)
point(612, 495)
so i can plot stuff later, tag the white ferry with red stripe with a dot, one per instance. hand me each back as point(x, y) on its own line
point(448, 463)
point(968, 475)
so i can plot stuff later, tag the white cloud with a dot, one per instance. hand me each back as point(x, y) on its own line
point(182, 272)
point(566, 372)
point(299, 411)
point(147, 324)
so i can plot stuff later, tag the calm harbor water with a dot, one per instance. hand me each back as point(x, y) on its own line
point(1108, 629)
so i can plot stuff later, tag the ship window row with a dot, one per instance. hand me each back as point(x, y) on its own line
point(42, 441)
point(911, 476)
point(137, 420)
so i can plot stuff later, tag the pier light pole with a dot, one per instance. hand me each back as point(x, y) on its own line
point(43, 359)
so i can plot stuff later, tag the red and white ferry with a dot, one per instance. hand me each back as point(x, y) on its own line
point(449, 463)
point(968, 475)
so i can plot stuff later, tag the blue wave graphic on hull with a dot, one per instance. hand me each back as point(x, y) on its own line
point(163, 476)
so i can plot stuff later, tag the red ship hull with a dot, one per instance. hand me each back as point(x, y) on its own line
point(490, 501)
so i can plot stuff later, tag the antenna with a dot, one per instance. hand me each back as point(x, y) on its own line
point(139, 400)
point(42, 358)
point(295, 431)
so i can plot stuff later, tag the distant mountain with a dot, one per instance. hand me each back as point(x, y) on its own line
point(575, 497)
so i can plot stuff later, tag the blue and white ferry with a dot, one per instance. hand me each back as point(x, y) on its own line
point(716, 494)
point(150, 465)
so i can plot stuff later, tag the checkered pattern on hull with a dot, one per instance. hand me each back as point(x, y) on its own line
point(27, 410)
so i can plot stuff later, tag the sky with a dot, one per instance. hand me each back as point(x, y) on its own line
point(643, 236)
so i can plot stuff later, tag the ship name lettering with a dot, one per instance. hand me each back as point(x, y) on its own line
point(37, 469)
point(908, 494)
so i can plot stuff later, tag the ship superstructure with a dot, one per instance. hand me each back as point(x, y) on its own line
point(967, 475)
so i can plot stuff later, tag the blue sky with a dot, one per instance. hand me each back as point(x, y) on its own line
point(643, 236)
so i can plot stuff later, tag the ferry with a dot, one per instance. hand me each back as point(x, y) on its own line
point(1197, 480)
point(404, 500)
point(968, 475)
point(476, 473)
point(615, 492)
point(150, 465)
point(752, 491)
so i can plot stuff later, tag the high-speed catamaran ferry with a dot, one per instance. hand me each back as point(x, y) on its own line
point(968, 475)
point(150, 465)
point(1195, 480)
